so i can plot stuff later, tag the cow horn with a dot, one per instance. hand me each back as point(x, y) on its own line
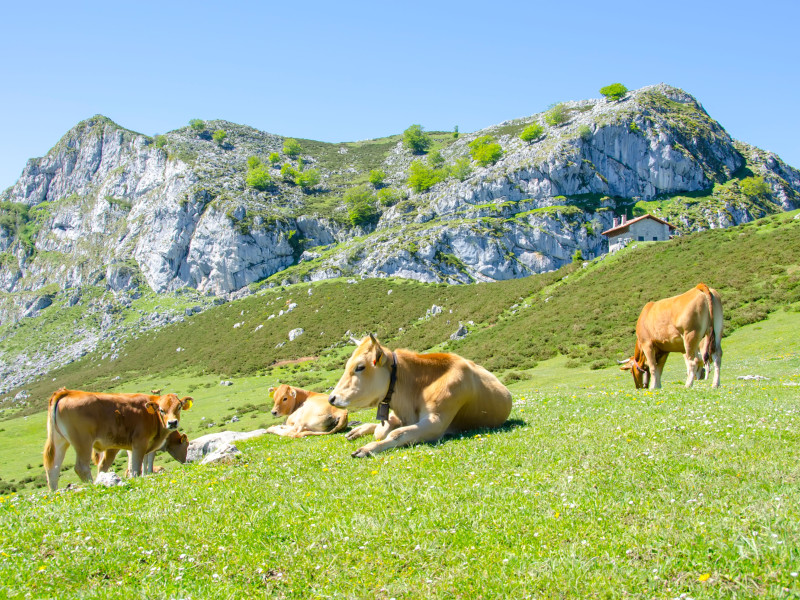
point(622, 362)
point(355, 341)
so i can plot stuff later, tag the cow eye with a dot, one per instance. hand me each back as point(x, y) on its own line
point(284, 400)
point(359, 368)
point(162, 411)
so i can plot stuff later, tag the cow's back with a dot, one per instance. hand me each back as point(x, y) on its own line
point(105, 420)
point(488, 402)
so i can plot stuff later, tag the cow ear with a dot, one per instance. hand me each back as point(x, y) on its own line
point(374, 339)
point(293, 392)
point(186, 403)
point(151, 407)
point(271, 392)
point(184, 438)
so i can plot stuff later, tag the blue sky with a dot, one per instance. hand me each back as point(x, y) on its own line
point(344, 71)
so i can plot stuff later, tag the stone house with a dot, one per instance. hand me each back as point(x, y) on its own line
point(646, 228)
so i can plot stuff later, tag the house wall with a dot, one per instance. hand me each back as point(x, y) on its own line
point(648, 229)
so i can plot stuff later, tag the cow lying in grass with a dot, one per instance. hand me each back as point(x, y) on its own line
point(690, 323)
point(308, 413)
point(428, 394)
point(95, 421)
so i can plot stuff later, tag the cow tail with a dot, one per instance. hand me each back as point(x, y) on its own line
point(49, 453)
point(712, 338)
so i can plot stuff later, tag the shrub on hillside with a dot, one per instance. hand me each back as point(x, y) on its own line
point(532, 132)
point(557, 115)
point(288, 173)
point(258, 178)
point(307, 179)
point(615, 91)
point(360, 202)
point(754, 187)
point(422, 176)
point(291, 147)
point(416, 140)
point(160, 141)
point(219, 136)
point(377, 177)
point(197, 125)
point(585, 133)
point(274, 158)
point(461, 169)
point(485, 151)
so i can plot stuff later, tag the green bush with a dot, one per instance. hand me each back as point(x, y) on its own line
point(160, 141)
point(557, 115)
point(307, 179)
point(274, 158)
point(532, 132)
point(288, 173)
point(219, 136)
point(416, 140)
point(258, 178)
point(291, 147)
point(197, 125)
point(455, 132)
point(377, 177)
point(461, 169)
point(436, 160)
point(485, 151)
point(360, 202)
point(423, 177)
point(754, 187)
point(253, 162)
point(388, 197)
point(585, 133)
point(615, 91)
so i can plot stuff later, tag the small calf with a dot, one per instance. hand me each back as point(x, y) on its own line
point(308, 413)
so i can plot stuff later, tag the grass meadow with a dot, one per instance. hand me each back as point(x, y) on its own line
point(591, 490)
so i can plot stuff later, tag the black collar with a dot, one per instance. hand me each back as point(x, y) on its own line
point(383, 406)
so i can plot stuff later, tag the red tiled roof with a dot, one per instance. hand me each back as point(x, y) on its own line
point(625, 226)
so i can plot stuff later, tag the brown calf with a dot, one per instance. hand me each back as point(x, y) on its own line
point(88, 420)
point(308, 413)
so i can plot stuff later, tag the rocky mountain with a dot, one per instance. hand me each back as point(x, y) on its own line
point(109, 214)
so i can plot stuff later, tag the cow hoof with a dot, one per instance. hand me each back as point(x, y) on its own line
point(361, 453)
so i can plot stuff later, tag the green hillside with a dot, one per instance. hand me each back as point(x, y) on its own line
point(586, 313)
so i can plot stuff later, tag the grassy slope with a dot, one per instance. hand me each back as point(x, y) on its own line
point(593, 490)
point(587, 314)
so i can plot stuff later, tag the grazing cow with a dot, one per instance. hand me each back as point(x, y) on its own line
point(88, 420)
point(428, 394)
point(176, 443)
point(690, 323)
point(308, 413)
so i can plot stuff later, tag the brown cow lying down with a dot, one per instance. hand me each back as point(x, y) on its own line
point(308, 413)
point(428, 394)
point(88, 420)
point(176, 444)
point(690, 323)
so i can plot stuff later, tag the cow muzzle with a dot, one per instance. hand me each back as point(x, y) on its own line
point(335, 400)
point(172, 424)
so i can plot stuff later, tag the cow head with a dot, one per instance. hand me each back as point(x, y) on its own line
point(284, 399)
point(637, 365)
point(168, 409)
point(177, 444)
point(366, 376)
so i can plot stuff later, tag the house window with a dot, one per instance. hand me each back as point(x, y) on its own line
point(641, 238)
point(655, 238)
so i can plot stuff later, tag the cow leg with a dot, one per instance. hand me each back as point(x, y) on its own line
point(661, 361)
point(135, 463)
point(717, 358)
point(147, 463)
point(652, 364)
point(361, 430)
point(60, 446)
point(108, 459)
point(83, 462)
point(428, 429)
